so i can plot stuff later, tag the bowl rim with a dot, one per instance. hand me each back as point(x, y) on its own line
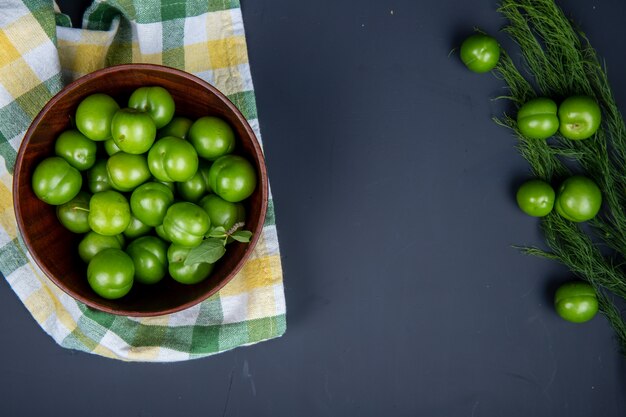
point(262, 184)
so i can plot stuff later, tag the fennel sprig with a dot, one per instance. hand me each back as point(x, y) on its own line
point(559, 62)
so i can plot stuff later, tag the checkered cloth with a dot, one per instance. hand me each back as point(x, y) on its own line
point(39, 54)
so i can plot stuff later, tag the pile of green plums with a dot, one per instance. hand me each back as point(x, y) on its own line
point(144, 187)
point(578, 199)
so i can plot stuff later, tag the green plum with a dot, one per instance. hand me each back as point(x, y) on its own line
point(186, 224)
point(76, 149)
point(149, 254)
point(186, 274)
point(94, 115)
point(55, 181)
point(233, 178)
point(98, 178)
point(109, 213)
point(212, 137)
point(92, 243)
point(127, 171)
point(136, 228)
point(74, 214)
point(156, 101)
point(221, 212)
point(110, 273)
point(149, 202)
point(133, 131)
point(178, 127)
point(172, 159)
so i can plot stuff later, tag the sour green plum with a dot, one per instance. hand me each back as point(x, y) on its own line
point(178, 127)
point(196, 187)
point(186, 224)
point(55, 181)
point(127, 171)
point(480, 53)
point(109, 213)
point(92, 243)
point(133, 131)
point(212, 137)
point(233, 178)
point(186, 274)
point(537, 118)
point(576, 301)
point(580, 117)
point(136, 228)
point(76, 149)
point(155, 101)
point(73, 215)
point(97, 177)
point(221, 212)
point(172, 159)
point(110, 273)
point(94, 115)
point(149, 254)
point(149, 202)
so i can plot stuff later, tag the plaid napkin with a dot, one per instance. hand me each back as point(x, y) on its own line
point(39, 54)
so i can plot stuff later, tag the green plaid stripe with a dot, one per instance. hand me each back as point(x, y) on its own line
point(199, 340)
point(8, 154)
point(246, 103)
point(12, 257)
point(270, 218)
point(32, 101)
point(118, 53)
point(17, 115)
point(100, 15)
point(178, 10)
point(173, 49)
point(79, 340)
point(14, 120)
point(63, 20)
point(44, 14)
point(54, 83)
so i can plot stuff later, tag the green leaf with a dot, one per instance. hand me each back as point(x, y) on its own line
point(218, 231)
point(208, 251)
point(242, 236)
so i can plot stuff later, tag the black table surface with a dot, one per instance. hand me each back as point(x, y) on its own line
point(394, 195)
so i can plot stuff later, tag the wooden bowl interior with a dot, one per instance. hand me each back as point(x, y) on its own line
point(54, 248)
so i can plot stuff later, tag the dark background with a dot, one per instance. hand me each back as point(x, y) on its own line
point(394, 196)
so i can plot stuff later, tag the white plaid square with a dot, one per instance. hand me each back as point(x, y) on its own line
point(195, 30)
point(183, 318)
point(55, 328)
point(16, 140)
point(4, 236)
point(43, 60)
point(22, 283)
point(279, 299)
point(170, 355)
point(5, 96)
point(150, 37)
point(11, 11)
point(113, 342)
point(237, 22)
point(208, 76)
point(69, 34)
point(244, 73)
point(235, 308)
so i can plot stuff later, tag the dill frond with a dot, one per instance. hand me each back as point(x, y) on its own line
point(559, 62)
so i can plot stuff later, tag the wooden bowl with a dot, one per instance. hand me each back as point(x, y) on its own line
point(54, 248)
